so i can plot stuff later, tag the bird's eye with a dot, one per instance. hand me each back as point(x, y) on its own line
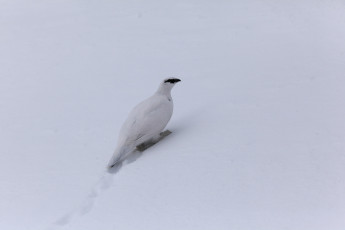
point(172, 80)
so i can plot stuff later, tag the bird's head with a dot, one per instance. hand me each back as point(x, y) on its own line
point(167, 85)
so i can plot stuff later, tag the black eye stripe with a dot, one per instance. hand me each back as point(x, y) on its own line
point(172, 80)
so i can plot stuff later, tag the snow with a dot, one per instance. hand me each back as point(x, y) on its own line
point(258, 126)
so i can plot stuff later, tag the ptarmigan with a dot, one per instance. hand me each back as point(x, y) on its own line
point(146, 121)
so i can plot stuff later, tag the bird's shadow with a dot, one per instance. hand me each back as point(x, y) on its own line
point(137, 153)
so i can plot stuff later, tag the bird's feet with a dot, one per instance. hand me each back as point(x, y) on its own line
point(142, 147)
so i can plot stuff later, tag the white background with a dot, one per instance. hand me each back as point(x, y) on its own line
point(258, 127)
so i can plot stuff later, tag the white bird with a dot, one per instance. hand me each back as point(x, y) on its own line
point(146, 121)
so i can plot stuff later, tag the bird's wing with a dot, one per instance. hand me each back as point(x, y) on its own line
point(147, 119)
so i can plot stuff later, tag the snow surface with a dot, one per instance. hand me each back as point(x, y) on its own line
point(258, 127)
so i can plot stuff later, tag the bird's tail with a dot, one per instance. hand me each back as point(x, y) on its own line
point(119, 153)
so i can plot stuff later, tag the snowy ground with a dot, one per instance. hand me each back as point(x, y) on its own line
point(258, 128)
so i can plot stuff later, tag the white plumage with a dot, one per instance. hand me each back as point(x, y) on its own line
point(146, 121)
